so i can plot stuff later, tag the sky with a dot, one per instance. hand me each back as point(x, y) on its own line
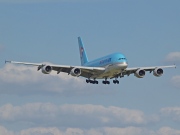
point(146, 32)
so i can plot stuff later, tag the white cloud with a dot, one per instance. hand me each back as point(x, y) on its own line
point(173, 57)
point(93, 131)
point(172, 112)
point(25, 80)
point(41, 131)
point(78, 131)
point(124, 131)
point(167, 131)
point(27, 74)
point(176, 81)
point(71, 115)
point(105, 115)
point(4, 131)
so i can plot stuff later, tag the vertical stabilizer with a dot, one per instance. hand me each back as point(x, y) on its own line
point(82, 52)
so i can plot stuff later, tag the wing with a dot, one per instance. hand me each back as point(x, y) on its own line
point(86, 72)
point(129, 71)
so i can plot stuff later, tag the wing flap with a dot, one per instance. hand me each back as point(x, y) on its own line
point(85, 71)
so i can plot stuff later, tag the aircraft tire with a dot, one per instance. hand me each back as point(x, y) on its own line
point(87, 81)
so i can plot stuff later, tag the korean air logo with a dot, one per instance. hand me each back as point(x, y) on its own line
point(81, 52)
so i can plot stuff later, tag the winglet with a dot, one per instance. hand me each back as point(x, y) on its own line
point(6, 61)
point(174, 65)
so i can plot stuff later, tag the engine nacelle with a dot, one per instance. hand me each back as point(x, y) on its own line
point(75, 72)
point(158, 72)
point(140, 73)
point(46, 69)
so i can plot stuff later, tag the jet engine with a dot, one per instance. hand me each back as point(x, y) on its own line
point(158, 72)
point(75, 72)
point(46, 69)
point(140, 73)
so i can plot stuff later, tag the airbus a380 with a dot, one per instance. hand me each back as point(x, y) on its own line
point(108, 67)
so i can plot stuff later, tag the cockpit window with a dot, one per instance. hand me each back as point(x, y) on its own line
point(122, 59)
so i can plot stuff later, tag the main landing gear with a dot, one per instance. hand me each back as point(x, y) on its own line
point(91, 81)
point(105, 81)
point(108, 82)
point(115, 81)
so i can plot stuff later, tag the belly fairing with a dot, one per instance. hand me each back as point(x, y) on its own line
point(111, 70)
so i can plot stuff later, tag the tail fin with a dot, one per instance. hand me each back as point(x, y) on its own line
point(82, 51)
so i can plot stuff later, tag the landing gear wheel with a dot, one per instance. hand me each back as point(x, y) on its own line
point(91, 81)
point(115, 81)
point(87, 81)
point(106, 82)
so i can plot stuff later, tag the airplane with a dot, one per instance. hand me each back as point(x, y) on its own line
point(108, 67)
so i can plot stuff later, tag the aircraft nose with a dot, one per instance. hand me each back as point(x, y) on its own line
point(123, 65)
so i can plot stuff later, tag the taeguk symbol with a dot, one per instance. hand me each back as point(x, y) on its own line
point(81, 51)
